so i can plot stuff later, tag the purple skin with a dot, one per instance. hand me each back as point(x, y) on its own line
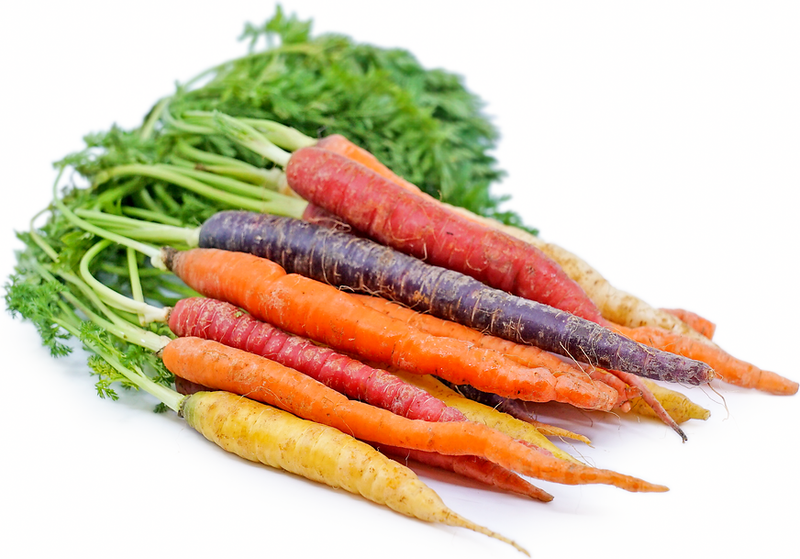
point(346, 261)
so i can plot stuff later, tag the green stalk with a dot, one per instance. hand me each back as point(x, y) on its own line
point(227, 184)
point(146, 131)
point(40, 242)
point(284, 136)
point(279, 134)
point(161, 193)
point(144, 198)
point(142, 230)
point(207, 158)
point(136, 283)
point(250, 138)
point(271, 178)
point(111, 297)
point(151, 215)
point(116, 193)
point(167, 396)
point(115, 325)
point(275, 204)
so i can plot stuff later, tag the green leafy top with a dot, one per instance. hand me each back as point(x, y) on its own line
point(422, 123)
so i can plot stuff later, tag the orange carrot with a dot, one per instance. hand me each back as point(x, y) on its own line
point(527, 355)
point(224, 368)
point(729, 368)
point(696, 322)
point(323, 313)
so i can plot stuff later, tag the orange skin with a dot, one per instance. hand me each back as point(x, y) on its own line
point(221, 367)
point(701, 325)
point(326, 315)
point(529, 356)
point(729, 368)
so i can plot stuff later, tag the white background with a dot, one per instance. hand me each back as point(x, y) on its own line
point(659, 141)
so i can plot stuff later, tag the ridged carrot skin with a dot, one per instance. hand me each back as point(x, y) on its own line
point(224, 368)
point(341, 259)
point(220, 321)
point(422, 227)
point(278, 439)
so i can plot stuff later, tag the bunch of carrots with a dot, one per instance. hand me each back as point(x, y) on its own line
point(335, 321)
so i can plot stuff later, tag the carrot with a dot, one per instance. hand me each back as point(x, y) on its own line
point(627, 385)
point(345, 260)
point(701, 325)
point(337, 143)
point(275, 438)
point(324, 314)
point(730, 369)
point(420, 226)
point(224, 368)
point(223, 322)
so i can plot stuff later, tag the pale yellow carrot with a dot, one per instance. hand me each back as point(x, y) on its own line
point(261, 433)
point(677, 405)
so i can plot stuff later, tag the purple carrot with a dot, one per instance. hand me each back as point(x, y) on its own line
point(344, 260)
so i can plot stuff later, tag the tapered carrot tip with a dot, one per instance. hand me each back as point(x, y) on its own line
point(776, 384)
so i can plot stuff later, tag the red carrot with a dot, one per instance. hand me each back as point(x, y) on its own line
point(470, 467)
point(422, 227)
point(223, 322)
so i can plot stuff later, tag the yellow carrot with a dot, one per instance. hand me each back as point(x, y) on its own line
point(264, 434)
point(678, 406)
